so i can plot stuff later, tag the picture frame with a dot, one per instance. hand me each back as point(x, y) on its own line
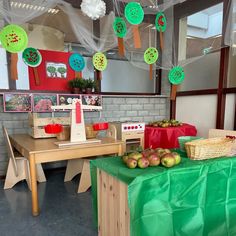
point(43, 102)
point(17, 102)
point(91, 99)
point(66, 99)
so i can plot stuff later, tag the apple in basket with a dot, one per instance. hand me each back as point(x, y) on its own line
point(168, 160)
point(154, 159)
point(131, 163)
point(177, 157)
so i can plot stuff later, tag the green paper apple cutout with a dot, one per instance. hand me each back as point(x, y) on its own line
point(134, 13)
point(119, 27)
point(13, 38)
point(176, 75)
point(32, 57)
point(99, 61)
point(151, 55)
point(160, 22)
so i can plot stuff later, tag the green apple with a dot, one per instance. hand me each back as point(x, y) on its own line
point(177, 157)
point(131, 163)
point(143, 163)
point(125, 158)
point(135, 155)
point(168, 160)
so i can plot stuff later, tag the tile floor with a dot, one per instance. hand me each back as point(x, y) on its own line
point(63, 211)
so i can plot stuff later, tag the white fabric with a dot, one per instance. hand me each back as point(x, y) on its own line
point(94, 9)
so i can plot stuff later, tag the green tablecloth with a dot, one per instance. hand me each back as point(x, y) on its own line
point(194, 198)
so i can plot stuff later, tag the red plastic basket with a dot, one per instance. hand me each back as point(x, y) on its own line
point(100, 126)
point(53, 128)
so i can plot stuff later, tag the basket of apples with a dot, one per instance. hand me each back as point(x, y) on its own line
point(151, 157)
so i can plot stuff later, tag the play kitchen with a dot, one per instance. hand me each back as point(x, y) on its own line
point(131, 132)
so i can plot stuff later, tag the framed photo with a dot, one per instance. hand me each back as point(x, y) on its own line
point(43, 102)
point(56, 70)
point(17, 102)
point(94, 100)
point(66, 99)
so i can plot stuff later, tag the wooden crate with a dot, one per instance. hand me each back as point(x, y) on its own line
point(37, 125)
point(113, 210)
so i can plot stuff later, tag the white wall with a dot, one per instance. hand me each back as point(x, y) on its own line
point(4, 72)
point(199, 111)
point(230, 111)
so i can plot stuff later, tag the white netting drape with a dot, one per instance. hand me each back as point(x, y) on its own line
point(39, 11)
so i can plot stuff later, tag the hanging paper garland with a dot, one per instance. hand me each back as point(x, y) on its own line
point(14, 39)
point(150, 57)
point(33, 58)
point(160, 24)
point(176, 76)
point(119, 27)
point(94, 9)
point(77, 63)
point(100, 63)
point(134, 15)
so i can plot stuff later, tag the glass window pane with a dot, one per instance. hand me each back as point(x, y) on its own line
point(200, 37)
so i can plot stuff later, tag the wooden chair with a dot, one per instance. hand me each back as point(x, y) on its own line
point(18, 167)
point(77, 166)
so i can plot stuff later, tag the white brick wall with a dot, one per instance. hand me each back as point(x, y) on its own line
point(143, 109)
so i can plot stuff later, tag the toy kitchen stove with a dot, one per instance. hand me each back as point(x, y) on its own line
point(131, 132)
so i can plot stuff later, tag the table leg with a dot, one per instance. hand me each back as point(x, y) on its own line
point(121, 150)
point(34, 191)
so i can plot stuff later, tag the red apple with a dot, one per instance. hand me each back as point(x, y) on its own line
point(147, 152)
point(131, 163)
point(177, 157)
point(154, 160)
point(168, 160)
point(143, 163)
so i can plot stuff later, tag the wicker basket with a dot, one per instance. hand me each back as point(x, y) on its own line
point(208, 148)
point(90, 133)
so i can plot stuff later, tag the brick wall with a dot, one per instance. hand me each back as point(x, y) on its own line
point(143, 109)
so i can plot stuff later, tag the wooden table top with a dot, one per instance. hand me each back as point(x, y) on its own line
point(31, 145)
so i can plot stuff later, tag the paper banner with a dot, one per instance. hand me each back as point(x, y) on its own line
point(134, 14)
point(119, 27)
point(33, 58)
point(160, 24)
point(77, 63)
point(176, 76)
point(13, 66)
point(13, 38)
point(99, 61)
point(150, 57)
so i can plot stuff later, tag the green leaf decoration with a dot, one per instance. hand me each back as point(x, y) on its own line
point(160, 22)
point(119, 27)
point(32, 57)
point(176, 75)
point(99, 61)
point(150, 55)
point(134, 13)
point(13, 38)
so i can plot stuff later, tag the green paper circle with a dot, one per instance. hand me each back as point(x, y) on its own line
point(99, 61)
point(119, 27)
point(176, 75)
point(160, 22)
point(150, 55)
point(13, 38)
point(134, 13)
point(32, 57)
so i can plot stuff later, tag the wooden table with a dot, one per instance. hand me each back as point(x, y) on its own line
point(45, 150)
